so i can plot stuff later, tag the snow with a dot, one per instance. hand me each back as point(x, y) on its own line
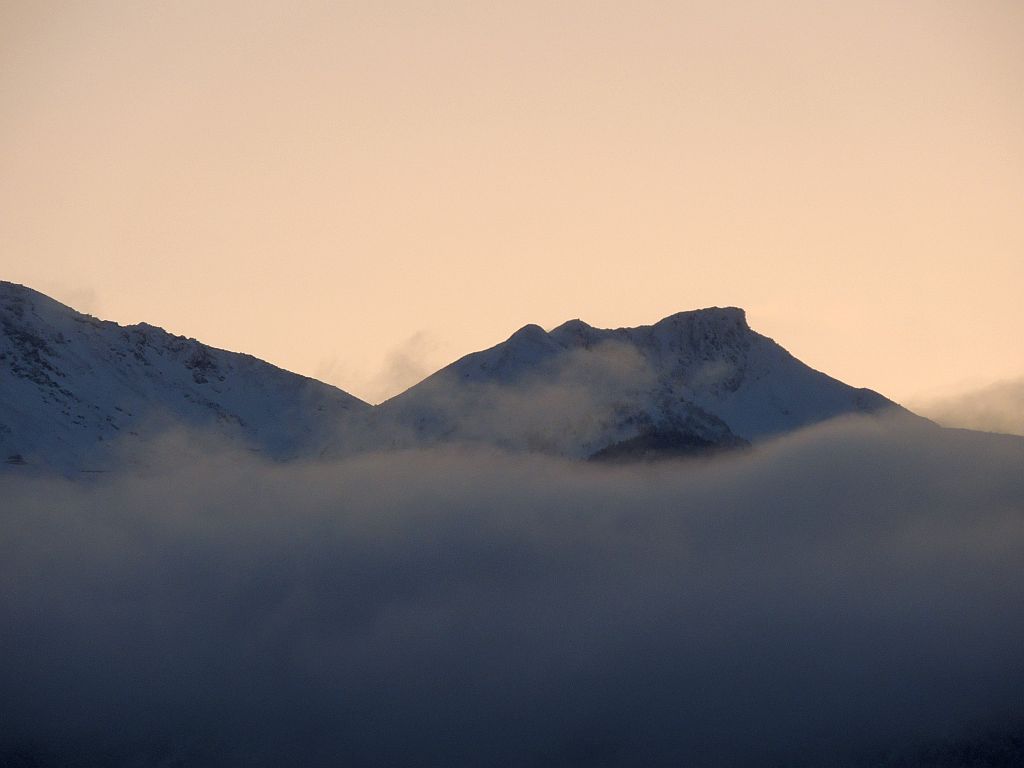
point(76, 391)
point(701, 374)
point(71, 386)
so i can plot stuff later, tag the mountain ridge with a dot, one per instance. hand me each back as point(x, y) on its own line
point(701, 376)
point(71, 386)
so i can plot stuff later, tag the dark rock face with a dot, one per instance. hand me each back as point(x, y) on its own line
point(666, 444)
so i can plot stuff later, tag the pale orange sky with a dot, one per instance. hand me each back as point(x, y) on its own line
point(363, 191)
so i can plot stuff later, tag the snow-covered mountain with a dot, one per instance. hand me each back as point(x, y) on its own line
point(76, 393)
point(692, 381)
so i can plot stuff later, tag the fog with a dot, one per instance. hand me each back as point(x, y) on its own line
point(998, 407)
point(570, 403)
point(851, 594)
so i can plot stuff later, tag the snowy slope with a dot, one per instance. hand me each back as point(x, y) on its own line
point(712, 358)
point(695, 379)
point(77, 393)
point(72, 385)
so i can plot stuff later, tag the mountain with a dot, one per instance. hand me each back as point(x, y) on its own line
point(77, 392)
point(694, 381)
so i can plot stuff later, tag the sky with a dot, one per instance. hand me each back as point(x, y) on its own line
point(365, 191)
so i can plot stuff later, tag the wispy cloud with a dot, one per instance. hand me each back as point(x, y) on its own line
point(998, 407)
point(408, 362)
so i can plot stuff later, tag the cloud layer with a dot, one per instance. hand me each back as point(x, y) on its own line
point(996, 408)
point(831, 597)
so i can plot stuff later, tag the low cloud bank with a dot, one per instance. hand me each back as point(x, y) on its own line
point(850, 594)
point(996, 408)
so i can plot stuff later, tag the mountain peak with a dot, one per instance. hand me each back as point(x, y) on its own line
point(530, 333)
point(700, 372)
point(8, 288)
point(720, 316)
point(573, 326)
point(576, 333)
point(22, 293)
point(15, 294)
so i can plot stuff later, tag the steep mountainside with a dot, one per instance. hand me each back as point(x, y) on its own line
point(694, 380)
point(72, 385)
